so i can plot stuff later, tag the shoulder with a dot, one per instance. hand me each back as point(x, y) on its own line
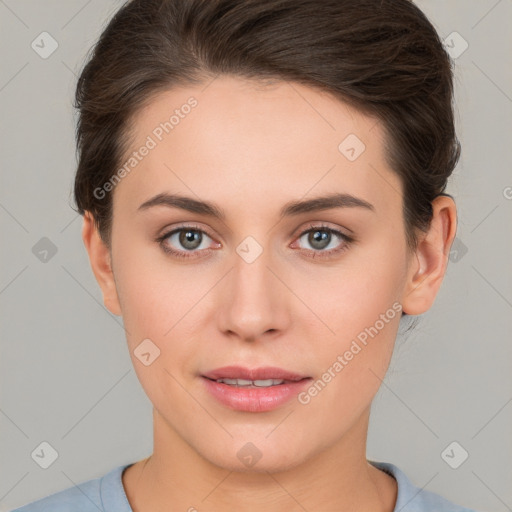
point(411, 498)
point(105, 494)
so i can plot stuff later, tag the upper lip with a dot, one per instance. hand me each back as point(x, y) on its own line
point(263, 373)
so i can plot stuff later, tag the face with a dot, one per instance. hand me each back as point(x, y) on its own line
point(313, 291)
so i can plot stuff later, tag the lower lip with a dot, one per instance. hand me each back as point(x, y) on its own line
point(254, 399)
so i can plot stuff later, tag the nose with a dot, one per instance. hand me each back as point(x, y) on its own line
point(253, 302)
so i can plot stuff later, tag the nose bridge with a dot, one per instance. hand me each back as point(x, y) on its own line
point(251, 276)
point(253, 303)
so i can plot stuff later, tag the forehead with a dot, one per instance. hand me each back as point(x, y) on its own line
point(237, 139)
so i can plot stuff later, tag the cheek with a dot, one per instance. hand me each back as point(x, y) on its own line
point(359, 304)
point(351, 363)
point(159, 305)
point(154, 293)
point(353, 296)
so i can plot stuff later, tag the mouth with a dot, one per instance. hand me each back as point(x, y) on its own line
point(253, 390)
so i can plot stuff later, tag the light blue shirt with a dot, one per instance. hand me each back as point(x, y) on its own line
point(106, 494)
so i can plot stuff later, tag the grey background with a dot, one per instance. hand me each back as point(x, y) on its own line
point(66, 375)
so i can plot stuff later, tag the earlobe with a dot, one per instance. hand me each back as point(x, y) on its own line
point(101, 264)
point(430, 260)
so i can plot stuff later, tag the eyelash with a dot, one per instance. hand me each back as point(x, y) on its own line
point(347, 241)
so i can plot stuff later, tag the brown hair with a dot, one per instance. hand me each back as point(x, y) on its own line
point(382, 56)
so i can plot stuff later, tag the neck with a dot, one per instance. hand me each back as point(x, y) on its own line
point(176, 477)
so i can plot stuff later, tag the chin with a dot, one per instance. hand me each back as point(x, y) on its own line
point(265, 456)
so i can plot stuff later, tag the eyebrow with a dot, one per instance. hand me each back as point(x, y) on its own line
point(336, 200)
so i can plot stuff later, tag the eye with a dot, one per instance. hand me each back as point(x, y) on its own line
point(188, 241)
point(185, 241)
point(322, 239)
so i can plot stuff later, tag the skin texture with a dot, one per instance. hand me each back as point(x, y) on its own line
point(250, 148)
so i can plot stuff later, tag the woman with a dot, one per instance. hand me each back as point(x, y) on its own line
point(262, 185)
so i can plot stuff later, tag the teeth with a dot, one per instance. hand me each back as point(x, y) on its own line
point(246, 383)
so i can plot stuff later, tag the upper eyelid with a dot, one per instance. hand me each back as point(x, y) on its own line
point(311, 226)
point(321, 226)
point(169, 231)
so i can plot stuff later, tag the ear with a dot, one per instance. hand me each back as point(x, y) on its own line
point(430, 260)
point(101, 264)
